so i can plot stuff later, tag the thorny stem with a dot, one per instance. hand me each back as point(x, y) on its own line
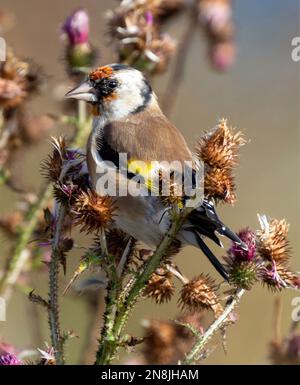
point(57, 338)
point(192, 357)
point(17, 262)
point(53, 310)
point(116, 314)
point(107, 340)
point(184, 45)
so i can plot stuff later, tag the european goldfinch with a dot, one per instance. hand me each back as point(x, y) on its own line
point(128, 120)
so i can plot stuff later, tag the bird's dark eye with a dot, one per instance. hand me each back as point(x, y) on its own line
point(112, 84)
point(105, 86)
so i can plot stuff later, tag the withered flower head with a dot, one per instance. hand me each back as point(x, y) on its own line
point(160, 338)
point(219, 185)
point(139, 42)
point(200, 294)
point(47, 356)
point(167, 342)
point(12, 93)
point(218, 150)
point(51, 167)
point(272, 242)
point(160, 286)
point(277, 276)
point(18, 80)
point(93, 212)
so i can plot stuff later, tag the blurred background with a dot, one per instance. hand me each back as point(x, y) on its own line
point(259, 95)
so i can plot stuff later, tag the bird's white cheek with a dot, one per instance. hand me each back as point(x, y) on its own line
point(126, 101)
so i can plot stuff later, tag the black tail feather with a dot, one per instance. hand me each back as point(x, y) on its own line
point(212, 258)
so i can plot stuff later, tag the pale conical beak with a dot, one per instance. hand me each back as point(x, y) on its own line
point(83, 92)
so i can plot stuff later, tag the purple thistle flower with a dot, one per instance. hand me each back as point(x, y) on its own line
point(69, 190)
point(241, 255)
point(7, 359)
point(77, 27)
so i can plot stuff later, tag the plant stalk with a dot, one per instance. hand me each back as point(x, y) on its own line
point(115, 318)
point(53, 310)
point(192, 357)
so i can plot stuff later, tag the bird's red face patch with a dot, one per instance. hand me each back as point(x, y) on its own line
point(101, 73)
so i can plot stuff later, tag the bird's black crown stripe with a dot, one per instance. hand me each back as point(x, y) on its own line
point(146, 94)
point(119, 67)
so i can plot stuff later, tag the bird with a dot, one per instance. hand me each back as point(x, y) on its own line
point(127, 119)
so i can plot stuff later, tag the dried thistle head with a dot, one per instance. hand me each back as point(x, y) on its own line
point(160, 338)
point(51, 167)
point(47, 356)
point(136, 30)
point(272, 242)
point(92, 212)
point(167, 342)
point(18, 80)
point(170, 190)
point(160, 286)
point(200, 294)
point(277, 276)
point(66, 169)
point(219, 148)
point(12, 93)
point(219, 185)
